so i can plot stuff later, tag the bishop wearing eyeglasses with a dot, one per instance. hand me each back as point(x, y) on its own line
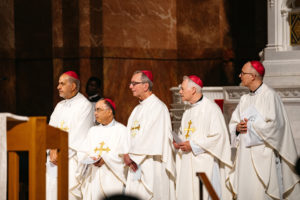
point(266, 151)
point(100, 170)
point(150, 158)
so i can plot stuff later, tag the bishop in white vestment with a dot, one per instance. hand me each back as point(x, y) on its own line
point(74, 115)
point(204, 145)
point(266, 152)
point(152, 167)
point(101, 172)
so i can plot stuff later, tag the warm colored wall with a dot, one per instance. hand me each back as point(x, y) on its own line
point(7, 57)
point(111, 39)
point(172, 38)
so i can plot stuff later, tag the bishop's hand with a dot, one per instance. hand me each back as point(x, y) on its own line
point(176, 145)
point(53, 156)
point(185, 146)
point(130, 163)
point(242, 126)
point(99, 163)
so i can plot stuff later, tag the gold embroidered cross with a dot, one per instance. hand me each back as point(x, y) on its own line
point(189, 129)
point(101, 149)
point(62, 126)
point(134, 128)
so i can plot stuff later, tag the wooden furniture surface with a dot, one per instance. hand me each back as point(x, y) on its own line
point(35, 136)
point(211, 191)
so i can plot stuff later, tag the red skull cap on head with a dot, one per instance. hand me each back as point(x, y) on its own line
point(196, 80)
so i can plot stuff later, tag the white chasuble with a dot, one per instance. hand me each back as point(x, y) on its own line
point(74, 116)
point(204, 126)
point(104, 142)
point(150, 146)
point(254, 175)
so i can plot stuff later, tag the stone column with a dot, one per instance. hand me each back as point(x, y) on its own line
point(282, 61)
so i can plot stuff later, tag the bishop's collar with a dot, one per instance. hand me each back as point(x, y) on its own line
point(69, 101)
point(256, 90)
point(199, 101)
point(112, 123)
point(148, 99)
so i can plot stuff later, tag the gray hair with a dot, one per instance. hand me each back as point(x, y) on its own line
point(145, 79)
point(192, 84)
point(76, 81)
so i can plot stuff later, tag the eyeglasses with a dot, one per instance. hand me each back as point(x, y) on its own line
point(99, 110)
point(133, 83)
point(243, 73)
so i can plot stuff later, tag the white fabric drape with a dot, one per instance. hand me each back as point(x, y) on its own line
point(3, 150)
point(204, 126)
point(150, 146)
point(255, 164)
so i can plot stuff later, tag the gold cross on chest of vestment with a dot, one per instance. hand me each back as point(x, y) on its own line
point(62, 126)
point(187, 135)
point(101, 149)
point(134, 128)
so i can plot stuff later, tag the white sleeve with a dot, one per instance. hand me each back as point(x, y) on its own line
point(196, 149)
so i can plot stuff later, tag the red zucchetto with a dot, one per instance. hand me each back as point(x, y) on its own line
point(72, 74)
point(111, 103)
point(258, 67)
point(148, 74)
point(196, 80)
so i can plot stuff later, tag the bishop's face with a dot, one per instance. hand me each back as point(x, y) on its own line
point(137, 87)
point(102, 112)
point(65, 87)
point(186, 92)
point(247, 75)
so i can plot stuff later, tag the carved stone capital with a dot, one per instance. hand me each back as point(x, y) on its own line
point(271, 3)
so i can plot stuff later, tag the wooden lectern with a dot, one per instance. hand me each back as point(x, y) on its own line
point(35, 136)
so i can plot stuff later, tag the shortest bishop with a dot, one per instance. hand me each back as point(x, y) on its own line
point(101, 169)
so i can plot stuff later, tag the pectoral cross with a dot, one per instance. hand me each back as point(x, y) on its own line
point(134, 128)
point(101, 149)
point(62, 126)
point(189, 129)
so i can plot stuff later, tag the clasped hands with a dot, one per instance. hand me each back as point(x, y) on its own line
point(184, 146)
point(99, 163)
point(242, 126)
point(53, 158)
point(130, 163)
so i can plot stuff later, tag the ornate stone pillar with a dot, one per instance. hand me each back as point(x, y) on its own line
point(281, 59)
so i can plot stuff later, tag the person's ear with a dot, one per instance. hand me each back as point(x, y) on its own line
point(193, 90)
point(73, 86)
point(146, 87)
point(110, 112)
